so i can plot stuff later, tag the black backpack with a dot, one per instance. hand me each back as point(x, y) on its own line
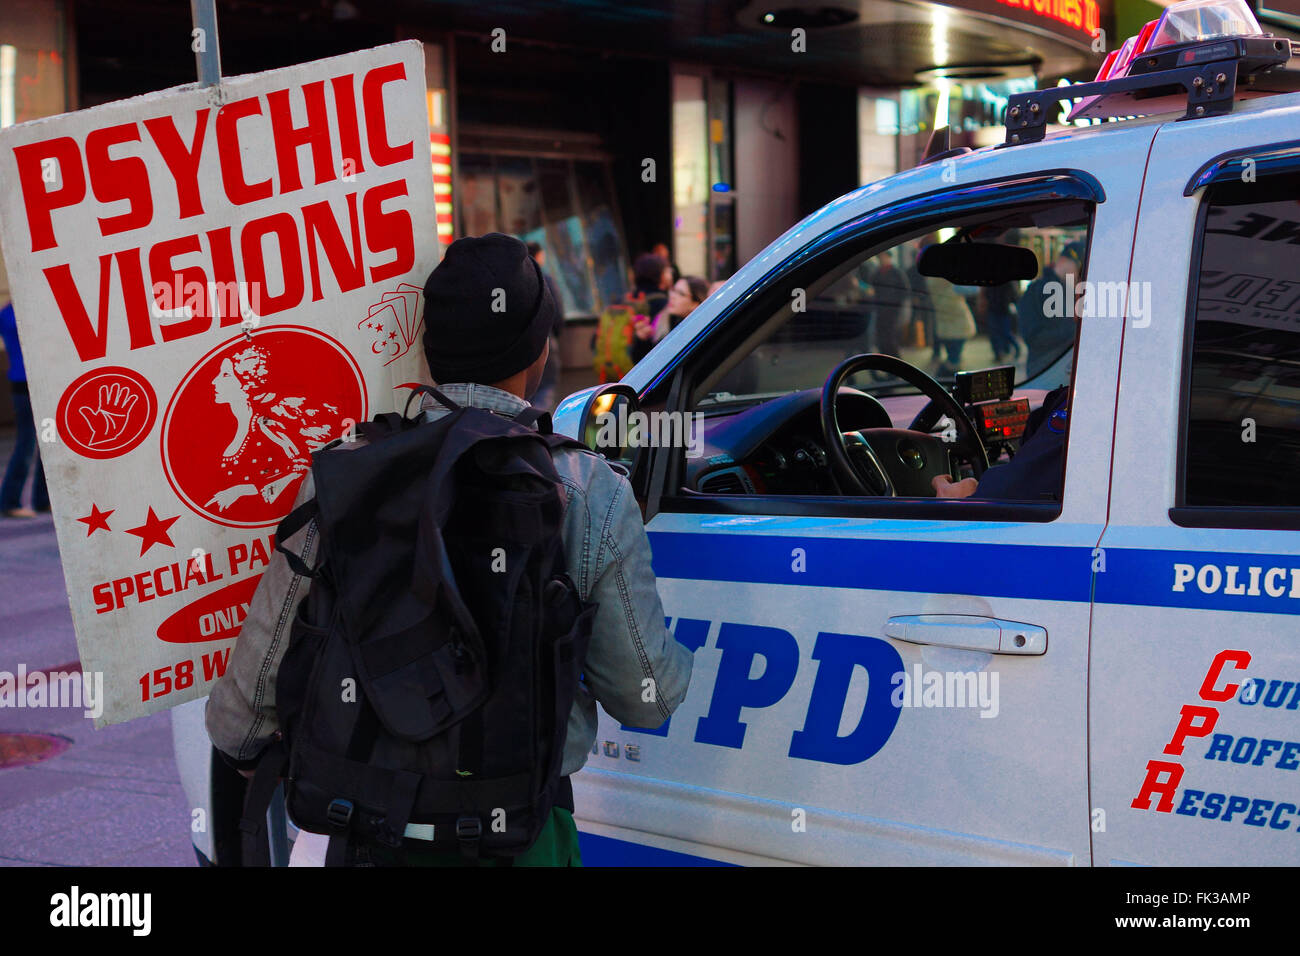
point(432, 666)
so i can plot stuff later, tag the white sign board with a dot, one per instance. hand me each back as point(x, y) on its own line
point(210, 283)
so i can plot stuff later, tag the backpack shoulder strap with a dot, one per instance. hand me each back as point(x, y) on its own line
point(531, 416)
point(555, 442)
point(293, 522)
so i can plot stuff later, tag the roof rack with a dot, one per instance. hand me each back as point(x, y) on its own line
point(1207, 76)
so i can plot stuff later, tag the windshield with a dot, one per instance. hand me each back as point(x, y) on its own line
point(878, 301)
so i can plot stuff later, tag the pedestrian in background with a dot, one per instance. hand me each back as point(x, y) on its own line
point(1046, 319)
point(922, 307)
point(891, 294)
point(651, 278)
point(546, 391)
point(683, 298)
point(999, 301)
point(661, 250)
point(26, 452)
point(953, 323)
point(616, 335)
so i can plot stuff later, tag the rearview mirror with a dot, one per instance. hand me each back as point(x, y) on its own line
point(977, 263)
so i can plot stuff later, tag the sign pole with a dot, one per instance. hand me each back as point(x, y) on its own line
point(207, 51)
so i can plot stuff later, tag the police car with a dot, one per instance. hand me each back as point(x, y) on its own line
point(1106, 672)
point(1109, 674)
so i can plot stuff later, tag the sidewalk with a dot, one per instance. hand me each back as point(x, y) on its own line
point(114, 797)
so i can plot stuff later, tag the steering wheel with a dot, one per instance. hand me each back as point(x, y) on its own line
point(897, 462)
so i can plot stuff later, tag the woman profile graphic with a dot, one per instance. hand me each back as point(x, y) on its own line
point(274, 435)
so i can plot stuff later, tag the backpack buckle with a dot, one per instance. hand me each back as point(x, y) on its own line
point(469, 829)
point(468, 832)
point(339, 813)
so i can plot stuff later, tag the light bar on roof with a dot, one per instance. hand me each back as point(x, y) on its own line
point(1188, 22)
point(1204, 20)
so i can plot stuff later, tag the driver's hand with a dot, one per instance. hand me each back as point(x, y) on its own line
point(944, 487)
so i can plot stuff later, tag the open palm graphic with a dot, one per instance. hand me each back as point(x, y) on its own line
point(109, 418)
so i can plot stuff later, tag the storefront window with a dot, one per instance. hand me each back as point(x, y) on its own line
point(973, 110)
point(703, 243)
point(603, 241)
point(690, 174)
point(877, 136)
point(565, 205)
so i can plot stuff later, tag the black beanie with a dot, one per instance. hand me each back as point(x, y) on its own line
point(487, 311)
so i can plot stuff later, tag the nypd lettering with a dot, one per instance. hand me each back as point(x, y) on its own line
point(772, 654)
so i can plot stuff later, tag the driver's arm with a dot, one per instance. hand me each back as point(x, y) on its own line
point(1036, 471)
point(945, 487)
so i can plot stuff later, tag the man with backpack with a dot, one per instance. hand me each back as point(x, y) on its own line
point(430, 710)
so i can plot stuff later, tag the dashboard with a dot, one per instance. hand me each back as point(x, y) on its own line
point(777, 447)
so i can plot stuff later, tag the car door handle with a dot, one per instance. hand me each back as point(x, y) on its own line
point(990, 634)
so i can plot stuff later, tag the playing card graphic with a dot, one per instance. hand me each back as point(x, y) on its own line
point(394, 322)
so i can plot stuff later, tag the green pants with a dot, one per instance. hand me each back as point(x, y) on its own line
point(556, 846)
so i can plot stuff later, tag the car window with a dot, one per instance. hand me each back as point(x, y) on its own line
point(879, 302)
point(1242, 411)
point(981, 303)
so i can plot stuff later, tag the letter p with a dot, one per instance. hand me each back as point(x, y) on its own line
point(735, 688)
point(1208, 717)
point(38, 200)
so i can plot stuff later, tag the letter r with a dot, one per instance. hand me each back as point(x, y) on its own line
point(1153, 784)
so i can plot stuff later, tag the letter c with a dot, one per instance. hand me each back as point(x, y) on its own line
point(238, 190)
point(1240, 661)
point(1273, 821)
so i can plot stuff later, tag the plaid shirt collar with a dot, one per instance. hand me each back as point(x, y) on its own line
point(477, 396)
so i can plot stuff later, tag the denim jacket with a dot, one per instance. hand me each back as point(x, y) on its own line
point(634, 668)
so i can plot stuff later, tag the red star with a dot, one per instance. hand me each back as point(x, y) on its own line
point(392, 335)
point(379, 327)
point(154, 531)
point(96, 519)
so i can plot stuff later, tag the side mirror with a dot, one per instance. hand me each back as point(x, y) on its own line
point(603, 425)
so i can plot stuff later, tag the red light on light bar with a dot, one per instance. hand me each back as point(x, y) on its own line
point(1144, 37)
point(1104, 72)
point(1120, 66)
